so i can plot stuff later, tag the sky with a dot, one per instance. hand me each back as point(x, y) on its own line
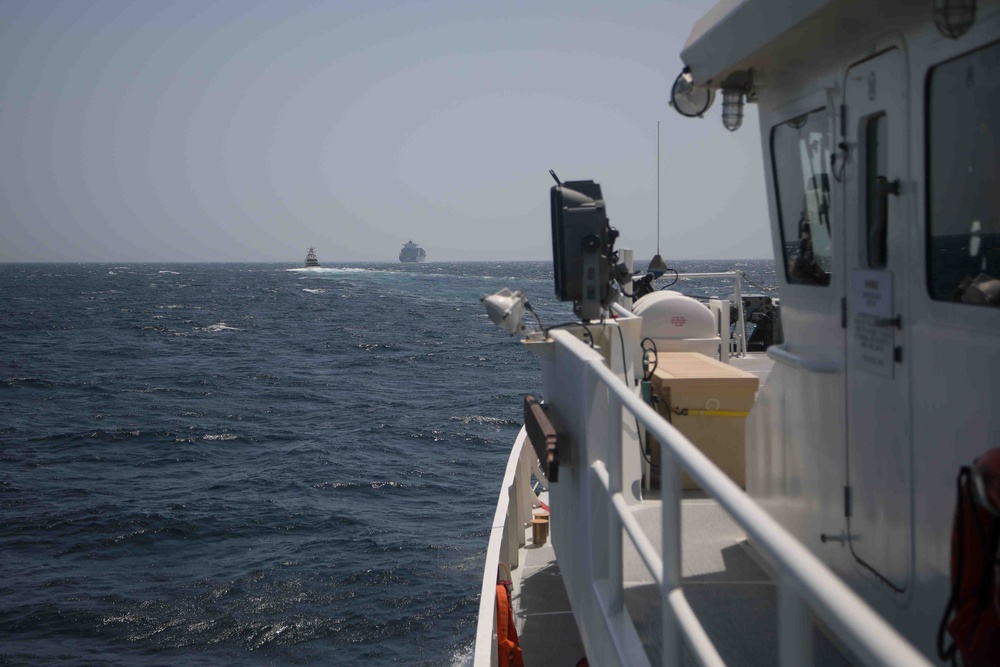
point(244, 130)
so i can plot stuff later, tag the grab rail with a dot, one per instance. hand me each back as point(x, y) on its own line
point(804, 583)
point(782, 354)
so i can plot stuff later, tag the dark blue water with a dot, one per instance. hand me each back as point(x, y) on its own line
point(249, 464)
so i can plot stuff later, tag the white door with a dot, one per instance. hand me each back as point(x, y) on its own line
point(878, 497)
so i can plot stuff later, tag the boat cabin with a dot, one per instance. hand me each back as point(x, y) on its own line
point(879, 123)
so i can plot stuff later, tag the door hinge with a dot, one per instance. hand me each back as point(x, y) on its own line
point(843, 312)
point(897, 354)
point(847, 502)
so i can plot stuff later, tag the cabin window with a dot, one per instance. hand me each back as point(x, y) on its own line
point(877, 213)
point(963, 179)
point(800, 155)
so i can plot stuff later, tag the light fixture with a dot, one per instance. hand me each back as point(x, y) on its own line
point(953, 18)
point(736, 88)
point(506, 310)
point(690, 100)
point(732, 108)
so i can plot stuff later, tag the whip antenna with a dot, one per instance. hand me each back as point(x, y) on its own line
point(656, 265)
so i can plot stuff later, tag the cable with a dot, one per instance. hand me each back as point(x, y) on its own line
point(638, 430)
point(676, 278)
point(651, 350)
point(530, 309)
point(621, 337)
point(572, 324)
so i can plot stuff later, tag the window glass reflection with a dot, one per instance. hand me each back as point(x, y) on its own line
point(963, 179)
point(876, 205)
point(800, 154)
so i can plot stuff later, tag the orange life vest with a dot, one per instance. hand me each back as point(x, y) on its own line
point(972, 616)
point(509, 649)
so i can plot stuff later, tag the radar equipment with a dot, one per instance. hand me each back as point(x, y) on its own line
point(583, 257)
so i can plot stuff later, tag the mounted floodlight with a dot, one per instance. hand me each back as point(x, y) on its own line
point(690, 100)
point(732, 108)
point(506, 310)
point(953, 18)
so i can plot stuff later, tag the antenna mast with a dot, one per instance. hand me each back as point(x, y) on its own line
point(656, 265)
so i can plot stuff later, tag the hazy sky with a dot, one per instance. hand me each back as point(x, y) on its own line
point(247, 131)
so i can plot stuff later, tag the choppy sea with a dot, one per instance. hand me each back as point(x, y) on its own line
point(225, 464)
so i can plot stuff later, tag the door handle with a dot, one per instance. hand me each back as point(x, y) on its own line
point(886, 187)
point(895, 322)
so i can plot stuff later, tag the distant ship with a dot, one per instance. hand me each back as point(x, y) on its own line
point(311, 259)
point(412, 252)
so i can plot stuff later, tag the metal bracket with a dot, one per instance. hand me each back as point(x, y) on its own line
point(590, 303)
point(894, 322)
point(843, 538)
point(543, 436)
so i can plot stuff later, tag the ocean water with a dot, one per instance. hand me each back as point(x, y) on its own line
point(255, 463)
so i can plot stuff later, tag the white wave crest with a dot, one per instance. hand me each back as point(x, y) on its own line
point(220, 436)
point(480, 419)
point(221, 326)
point(463, 656)
point(334, 270)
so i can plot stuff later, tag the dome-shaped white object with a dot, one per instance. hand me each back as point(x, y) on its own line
point(677, 323)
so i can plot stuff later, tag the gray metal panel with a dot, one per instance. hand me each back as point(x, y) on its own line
point(878, 391)
point(733, 30)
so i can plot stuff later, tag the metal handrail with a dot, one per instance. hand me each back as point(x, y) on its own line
point(804, 582)
point(503, 545)
point(782, 354)
point(741, 327)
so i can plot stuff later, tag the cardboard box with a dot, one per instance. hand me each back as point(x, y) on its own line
point(711, 392)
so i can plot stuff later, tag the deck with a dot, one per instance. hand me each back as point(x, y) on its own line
point(729, 590)
point(725, 582)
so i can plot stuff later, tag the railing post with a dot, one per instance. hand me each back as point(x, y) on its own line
point(515, 537)
point(584, 454)
point(615, 473)
point(670, 488)
point(524, 483)
point(741, 327)
point(795, 645)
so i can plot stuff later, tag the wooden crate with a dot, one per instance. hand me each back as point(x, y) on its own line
point(708, 389)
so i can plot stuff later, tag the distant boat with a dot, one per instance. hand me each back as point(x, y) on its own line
point(311, 259)
point(412, 252)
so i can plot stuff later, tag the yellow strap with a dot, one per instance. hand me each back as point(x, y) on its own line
point(710, 413)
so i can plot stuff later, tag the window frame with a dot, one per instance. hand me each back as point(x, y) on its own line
point(819, 106)
point(929, 182)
